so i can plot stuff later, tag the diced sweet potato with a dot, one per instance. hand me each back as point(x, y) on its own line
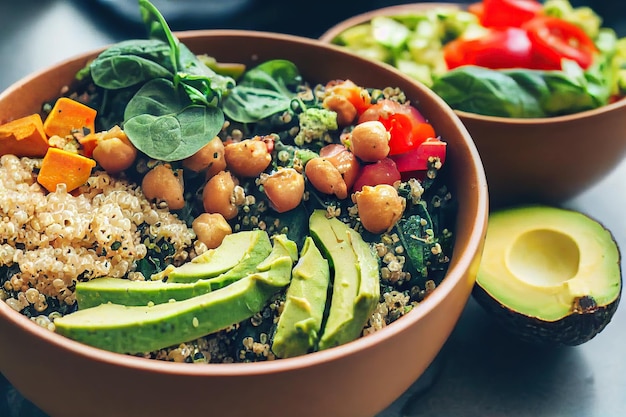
point(24, 137)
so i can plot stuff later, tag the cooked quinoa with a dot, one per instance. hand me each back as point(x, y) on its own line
point(48, 241)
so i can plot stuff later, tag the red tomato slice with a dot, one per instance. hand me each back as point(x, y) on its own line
point(405, 124)
point(509, 13)
point(499, 48)
point(417, 159)
point(554, 39)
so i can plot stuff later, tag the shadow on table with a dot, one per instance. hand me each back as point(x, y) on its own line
point(485, 372)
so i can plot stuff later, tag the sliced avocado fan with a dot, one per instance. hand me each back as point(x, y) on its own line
point(136, 329)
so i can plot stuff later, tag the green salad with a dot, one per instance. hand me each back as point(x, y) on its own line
point(503, 58)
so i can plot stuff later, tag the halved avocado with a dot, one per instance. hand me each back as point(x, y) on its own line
point(549, 275)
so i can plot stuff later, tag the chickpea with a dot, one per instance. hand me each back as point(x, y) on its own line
point(211, 229)
point(346, 112)
point(379, 207)
point(218, 195)
point(370, 141)
point(210, 158)
point(162, 183)
point(247, 158)
point(345, 161)
point(325, 177)
point(114, 152)
point(284, 188)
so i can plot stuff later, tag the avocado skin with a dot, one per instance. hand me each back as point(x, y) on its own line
point(585, 320)
point(137, 329)
point(572, 330)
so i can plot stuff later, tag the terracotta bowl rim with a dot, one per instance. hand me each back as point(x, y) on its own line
point(400, 9)
point(462, 261)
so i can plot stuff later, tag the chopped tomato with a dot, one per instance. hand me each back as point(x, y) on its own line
point(405, 124)
point(416, 160)
point(554, 39)
point(499, 48)
point(508, 13)
point(383, 171)
point(358, 96)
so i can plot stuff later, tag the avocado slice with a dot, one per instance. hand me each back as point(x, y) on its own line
point(355, 280)
point(238, 255)
point(136, 293)
point(135, 329)
point(300, 322)
point(549, 275)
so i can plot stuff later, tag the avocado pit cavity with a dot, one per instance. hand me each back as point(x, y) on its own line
point(544, 257)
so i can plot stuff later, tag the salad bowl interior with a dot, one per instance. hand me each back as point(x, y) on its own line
point(361, 378)
point(529, 160)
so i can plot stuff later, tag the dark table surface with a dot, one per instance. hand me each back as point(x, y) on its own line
point(482, 371)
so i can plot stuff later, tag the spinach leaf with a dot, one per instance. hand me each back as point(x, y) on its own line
point(158, 29)
point(523, 93)
point(191, 69)
point(249, 105)
point(488, 92)
point(203, 85)
point(277, 75)
point(264, 90)
point(163, 123)
point(123, 71)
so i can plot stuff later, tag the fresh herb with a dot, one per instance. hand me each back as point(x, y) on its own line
point(263, 91)
point(174, 111)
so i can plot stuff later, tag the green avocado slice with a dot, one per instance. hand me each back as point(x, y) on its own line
point(300, 322)
point(550, 275)
point(238, 255)
point(136, 329)
point(355, 284)
point(136, 293)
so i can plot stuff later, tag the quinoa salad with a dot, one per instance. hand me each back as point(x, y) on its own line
point(108, 200)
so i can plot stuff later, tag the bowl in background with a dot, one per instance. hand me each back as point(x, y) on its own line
point(359, 379)
point(540, 160)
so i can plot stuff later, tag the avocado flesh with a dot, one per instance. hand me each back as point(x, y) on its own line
point(551, 275)
point(238, 254)
point(299, 325)
point(136, 329)
point(355, 284)
point(135, 293)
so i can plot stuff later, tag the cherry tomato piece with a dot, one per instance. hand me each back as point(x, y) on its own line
point(509, 13)
point(554, 39)
point(498, 48)
point(405, 124)
point(384, 171)
point(416, 160)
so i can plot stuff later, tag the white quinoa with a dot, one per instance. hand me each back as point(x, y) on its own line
point(58, 238)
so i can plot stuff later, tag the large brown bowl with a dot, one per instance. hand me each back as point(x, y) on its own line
point(359, 379)
point(540, 160)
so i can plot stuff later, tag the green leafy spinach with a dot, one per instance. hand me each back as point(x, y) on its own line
point(267, 89)
point(174, 123)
